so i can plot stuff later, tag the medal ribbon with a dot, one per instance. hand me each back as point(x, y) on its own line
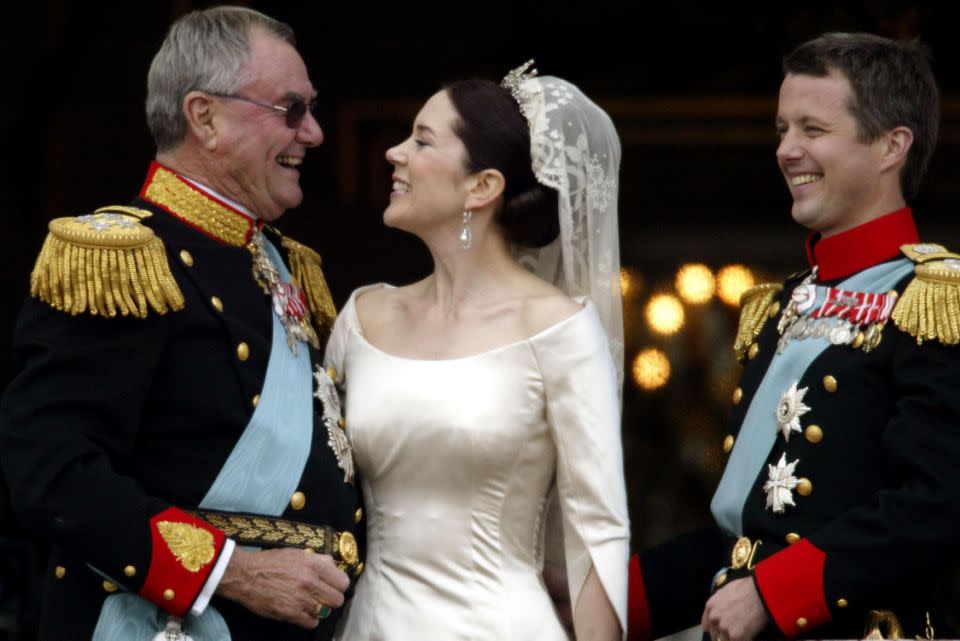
point(858, 308)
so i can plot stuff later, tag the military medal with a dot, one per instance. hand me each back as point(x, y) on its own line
point(173, 631)
point(801, 299)
point(842, 334)
point(337, 439)
point(289, 303)
point(780, 484)
point(844, 318)
point(789, 410)
point(860, 308)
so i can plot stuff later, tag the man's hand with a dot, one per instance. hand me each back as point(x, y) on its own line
point(287, 584)
point(555, 579)
point(734, 613)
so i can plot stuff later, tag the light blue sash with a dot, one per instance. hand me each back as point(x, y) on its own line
point(758, 432)
point(259, 476)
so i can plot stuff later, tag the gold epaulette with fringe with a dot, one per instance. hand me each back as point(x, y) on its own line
point(929, 308)
point(105, 263)
point(755, 309)
point(308, 275)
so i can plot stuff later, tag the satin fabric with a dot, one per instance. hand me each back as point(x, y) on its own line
point(457, 460)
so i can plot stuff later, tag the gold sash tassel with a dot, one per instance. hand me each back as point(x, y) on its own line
point(105, 264)
point(755, 304)
point(929, 308)
point(307, 274)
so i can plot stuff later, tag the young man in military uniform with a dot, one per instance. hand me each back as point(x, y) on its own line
point(839, 508)
point(162, 431)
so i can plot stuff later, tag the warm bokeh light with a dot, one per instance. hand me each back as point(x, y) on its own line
point(665, 314)
point(732, 281)
point(695, 283)
point(631, 283)
point(651, 369)
point(626, 282)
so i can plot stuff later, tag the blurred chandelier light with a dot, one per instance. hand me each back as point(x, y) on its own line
point(665, 314)
point(695, 283)
point(651, 369)
point(732, 281)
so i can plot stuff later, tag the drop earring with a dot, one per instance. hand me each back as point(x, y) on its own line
point(466, 236)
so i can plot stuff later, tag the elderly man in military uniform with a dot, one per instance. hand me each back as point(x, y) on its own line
point(838, 511)
point(168, 430)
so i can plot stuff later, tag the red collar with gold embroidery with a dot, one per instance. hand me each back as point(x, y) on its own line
point(863, 246)
point(195, 207)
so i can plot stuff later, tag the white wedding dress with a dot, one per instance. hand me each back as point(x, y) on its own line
point(457, 459)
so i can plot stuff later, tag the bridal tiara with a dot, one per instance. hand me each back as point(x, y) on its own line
point(514, 83)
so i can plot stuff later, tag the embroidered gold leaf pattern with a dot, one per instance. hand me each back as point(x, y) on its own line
point(265, 531)
point(192, 205)
point(192, 546)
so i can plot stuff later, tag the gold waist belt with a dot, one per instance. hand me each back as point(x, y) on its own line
point(268, 531)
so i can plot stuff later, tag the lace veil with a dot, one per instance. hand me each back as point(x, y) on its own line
point(576, 151)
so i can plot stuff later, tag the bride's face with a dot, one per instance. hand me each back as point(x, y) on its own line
point(429, 178)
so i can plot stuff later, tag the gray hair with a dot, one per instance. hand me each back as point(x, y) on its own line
point(203, 51)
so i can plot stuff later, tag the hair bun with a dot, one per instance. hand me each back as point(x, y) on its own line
point(530, 218)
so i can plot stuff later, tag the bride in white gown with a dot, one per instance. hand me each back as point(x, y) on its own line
point(476, 394)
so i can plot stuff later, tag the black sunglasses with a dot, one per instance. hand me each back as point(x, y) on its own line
point(293, 114)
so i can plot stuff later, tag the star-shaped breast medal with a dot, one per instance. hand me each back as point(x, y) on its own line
point(326, 392)
point(790, 409)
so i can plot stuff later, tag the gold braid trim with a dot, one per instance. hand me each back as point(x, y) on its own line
point(929, 309)
point(269, 531)
point(926, 252)
point(198, 209)
point(104, 264)
point(307, 274)
point(754, 311)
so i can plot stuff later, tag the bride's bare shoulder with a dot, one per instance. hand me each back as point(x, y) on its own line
point(381, 304)
point(546, 306)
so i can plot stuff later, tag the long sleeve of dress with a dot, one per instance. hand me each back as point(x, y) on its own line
point(583, 411)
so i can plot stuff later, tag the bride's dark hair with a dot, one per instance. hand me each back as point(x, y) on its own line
point(496, 136)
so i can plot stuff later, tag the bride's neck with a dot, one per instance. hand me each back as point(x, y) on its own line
point(462, 277)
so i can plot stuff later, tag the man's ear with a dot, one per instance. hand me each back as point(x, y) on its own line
point(896, 146)
point(486, 186)
point(199, 110)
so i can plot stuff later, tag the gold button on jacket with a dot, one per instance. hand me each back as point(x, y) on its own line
point(298, 500)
